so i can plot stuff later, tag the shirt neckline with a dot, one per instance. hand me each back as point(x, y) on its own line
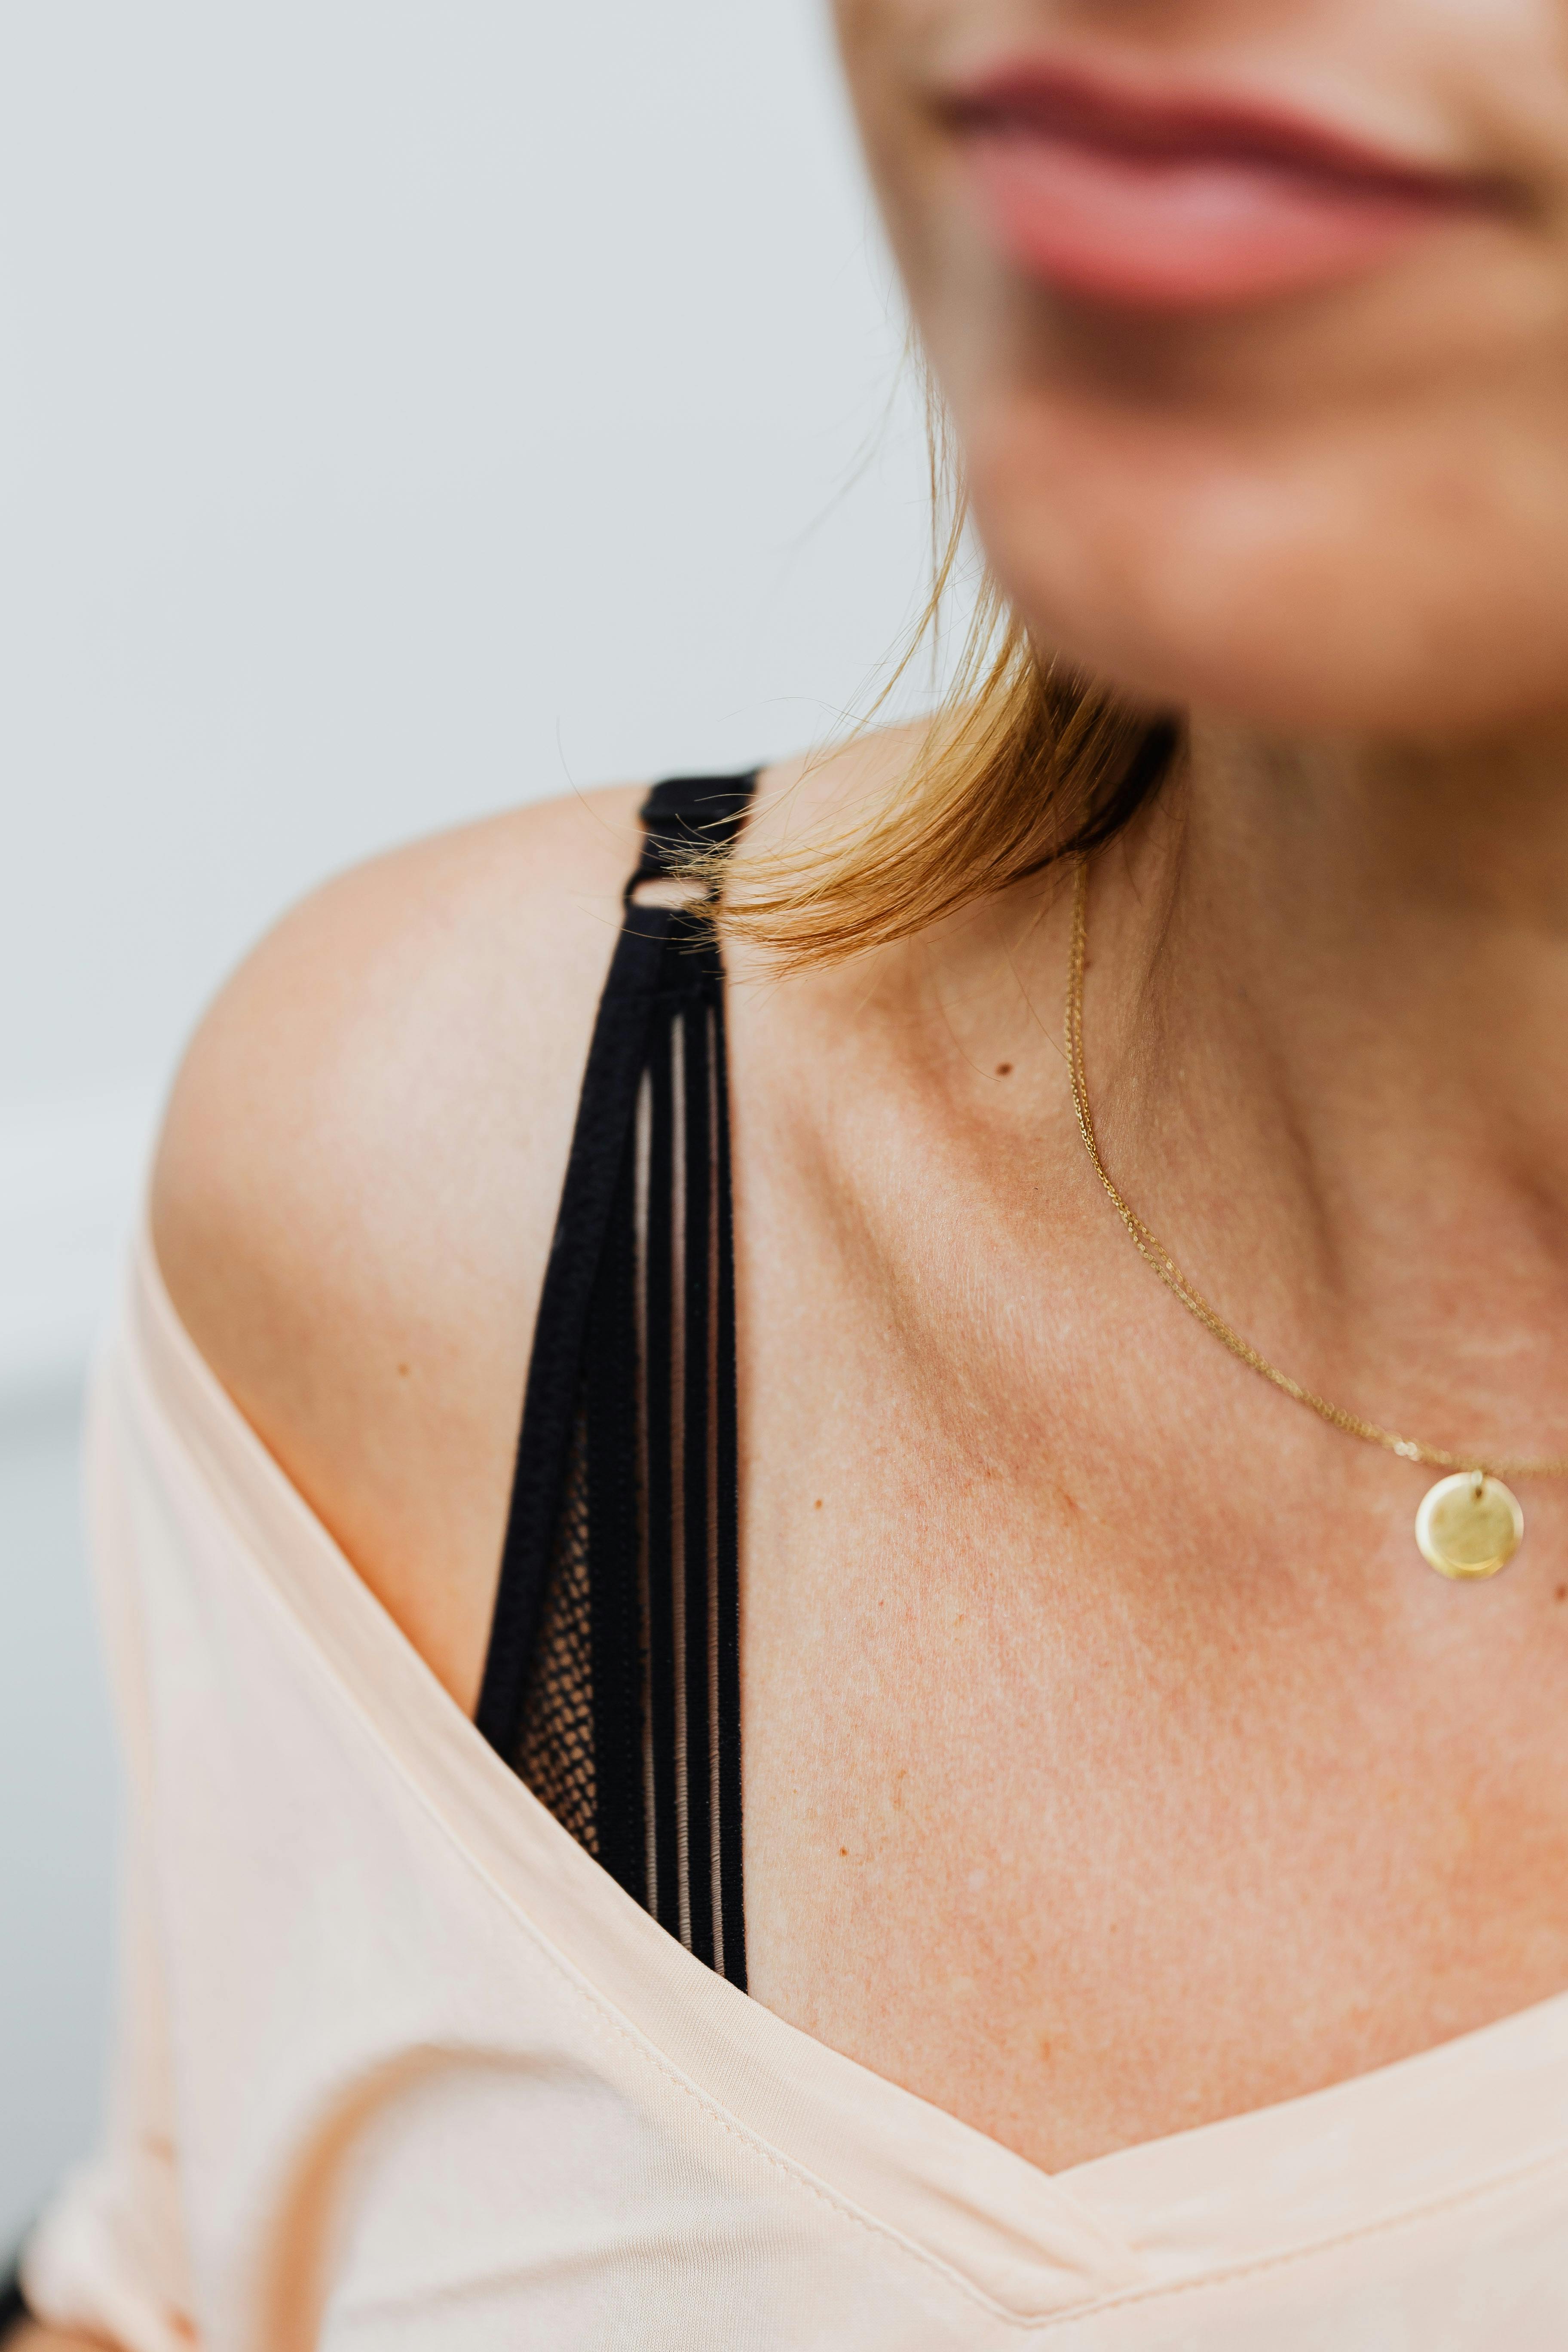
point(1458, 2117)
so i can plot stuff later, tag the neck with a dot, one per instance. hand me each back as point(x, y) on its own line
point(1333, 1039)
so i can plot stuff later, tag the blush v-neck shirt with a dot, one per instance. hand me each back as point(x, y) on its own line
point(400, 2066)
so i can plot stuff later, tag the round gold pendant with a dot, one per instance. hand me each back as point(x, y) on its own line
point(1469, 1526)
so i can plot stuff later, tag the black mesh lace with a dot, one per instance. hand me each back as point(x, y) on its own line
point(612, 1680)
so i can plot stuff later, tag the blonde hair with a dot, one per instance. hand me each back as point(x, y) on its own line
point(1025, 762)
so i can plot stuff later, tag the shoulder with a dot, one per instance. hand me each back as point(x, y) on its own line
point(354, 1196)
point(355, 1190)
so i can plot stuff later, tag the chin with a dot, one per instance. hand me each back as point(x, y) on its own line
point(1384, 596)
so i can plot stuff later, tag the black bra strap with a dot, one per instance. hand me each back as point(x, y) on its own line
point(684, 813)
point(625, 1478)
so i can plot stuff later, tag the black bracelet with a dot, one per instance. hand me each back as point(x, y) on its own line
point(14, 2311)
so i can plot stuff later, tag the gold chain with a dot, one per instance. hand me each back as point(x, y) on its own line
point(1154, 1253)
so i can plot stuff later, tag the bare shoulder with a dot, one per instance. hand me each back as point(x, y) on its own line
point(355, 1190)
point(357, 1184)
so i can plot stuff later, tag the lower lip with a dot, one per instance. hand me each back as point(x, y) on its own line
point(1174, 233)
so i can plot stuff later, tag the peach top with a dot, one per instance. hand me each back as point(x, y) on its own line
point(401, 2067)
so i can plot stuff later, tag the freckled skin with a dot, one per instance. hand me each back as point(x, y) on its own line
point(1194, 1639)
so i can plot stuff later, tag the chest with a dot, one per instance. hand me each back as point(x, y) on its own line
point(1113, 1763)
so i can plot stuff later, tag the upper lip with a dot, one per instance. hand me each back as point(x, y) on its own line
point(1078, 103)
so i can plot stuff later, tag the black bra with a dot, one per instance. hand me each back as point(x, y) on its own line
point(612, 1680)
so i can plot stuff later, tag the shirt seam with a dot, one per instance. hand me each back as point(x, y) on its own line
point(1225, 2276)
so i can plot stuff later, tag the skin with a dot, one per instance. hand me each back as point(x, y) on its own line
point(1113, 1763)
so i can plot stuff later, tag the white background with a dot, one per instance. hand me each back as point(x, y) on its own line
point(407, 407)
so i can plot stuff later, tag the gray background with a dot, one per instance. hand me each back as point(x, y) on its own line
point(405, 410)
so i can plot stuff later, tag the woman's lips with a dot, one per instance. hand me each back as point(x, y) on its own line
point(1153, 203)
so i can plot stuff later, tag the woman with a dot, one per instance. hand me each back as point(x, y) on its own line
point(1151, 1894)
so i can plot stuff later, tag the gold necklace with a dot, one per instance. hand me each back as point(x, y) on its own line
point(1470, 1524)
